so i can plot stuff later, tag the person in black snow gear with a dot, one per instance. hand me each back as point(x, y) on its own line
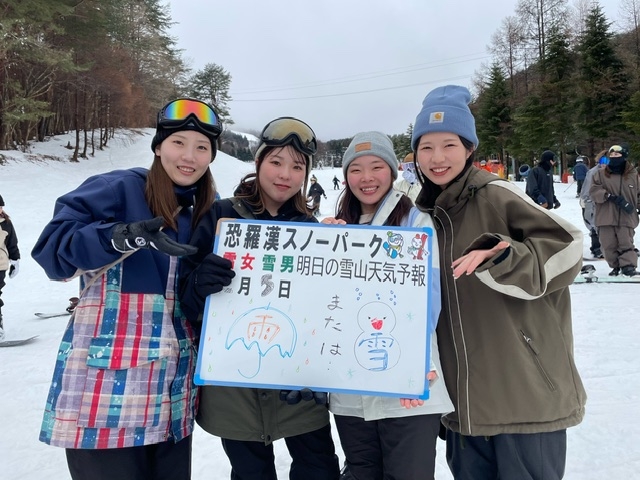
point(540, 182)
point(315, 192)
point(9, 254)
point(336, 183)
point(580, 170)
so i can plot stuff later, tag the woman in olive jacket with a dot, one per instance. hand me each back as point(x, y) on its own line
point(505, 333)
point(249, 420)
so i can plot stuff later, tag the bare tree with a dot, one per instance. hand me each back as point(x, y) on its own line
point(507, 47)
point(630, 15)
point(577, 18)
point(536, 17)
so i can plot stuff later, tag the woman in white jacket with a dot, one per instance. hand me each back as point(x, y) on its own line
point(385, 437)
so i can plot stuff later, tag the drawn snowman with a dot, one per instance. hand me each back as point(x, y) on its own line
point(375, 348)
point(416, 248)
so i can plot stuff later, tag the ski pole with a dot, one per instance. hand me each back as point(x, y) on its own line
point(572, 182)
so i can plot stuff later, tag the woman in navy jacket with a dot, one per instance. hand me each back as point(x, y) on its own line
point(122, 401)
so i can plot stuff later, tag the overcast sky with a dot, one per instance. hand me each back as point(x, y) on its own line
point(343, 66)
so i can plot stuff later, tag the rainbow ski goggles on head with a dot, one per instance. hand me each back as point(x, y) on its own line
point(288, 130)
point(176, 113)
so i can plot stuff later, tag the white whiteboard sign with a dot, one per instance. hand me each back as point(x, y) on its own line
point(329, 307)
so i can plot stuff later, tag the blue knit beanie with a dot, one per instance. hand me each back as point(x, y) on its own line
point(445, 109)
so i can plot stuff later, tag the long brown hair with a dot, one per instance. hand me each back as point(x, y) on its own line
point(251, 191)
point(162, 200)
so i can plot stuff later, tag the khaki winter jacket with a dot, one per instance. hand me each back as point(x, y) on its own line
point(505, 333)
point(627, 186)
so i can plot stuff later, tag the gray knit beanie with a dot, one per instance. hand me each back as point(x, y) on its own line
point(445, 109)
point(371, 143)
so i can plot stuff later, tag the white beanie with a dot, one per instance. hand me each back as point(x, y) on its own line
point(371, 143)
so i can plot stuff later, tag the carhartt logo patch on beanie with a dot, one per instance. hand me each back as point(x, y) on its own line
point(371, 143)
point(446, 109)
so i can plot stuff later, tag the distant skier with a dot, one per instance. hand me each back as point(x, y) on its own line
point(336, 183)
point(315, 192)
point(580, 170)
point(9, 254)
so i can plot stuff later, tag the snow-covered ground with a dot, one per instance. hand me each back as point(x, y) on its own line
point(605, 317)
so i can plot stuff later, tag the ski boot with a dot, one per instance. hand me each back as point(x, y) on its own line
point(73, 303)
point(588, 272)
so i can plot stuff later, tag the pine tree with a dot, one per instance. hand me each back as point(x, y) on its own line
point(212, 84)
point(494, 114)
point(603, 82)
point(557, 92)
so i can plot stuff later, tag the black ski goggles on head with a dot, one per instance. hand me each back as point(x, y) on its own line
point(175, 114)
point(288, 130)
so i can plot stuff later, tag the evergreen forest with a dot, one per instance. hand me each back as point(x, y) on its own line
point(562, 77)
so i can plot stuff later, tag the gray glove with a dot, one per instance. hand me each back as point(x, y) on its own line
point(146, 234)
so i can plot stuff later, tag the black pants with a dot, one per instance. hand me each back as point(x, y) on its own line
point(3, 274)
point(392, 448)
point(162, 461)
point(534, 456)
point(313, 457)
point(579, 182)
point(595, 240)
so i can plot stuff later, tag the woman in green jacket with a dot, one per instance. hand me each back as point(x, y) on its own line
point(505, 335)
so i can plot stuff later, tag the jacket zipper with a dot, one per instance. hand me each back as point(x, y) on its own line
point(464, 414)
point(534, 350)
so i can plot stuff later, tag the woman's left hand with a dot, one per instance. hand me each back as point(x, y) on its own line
point(468, 263)
point(416, 402)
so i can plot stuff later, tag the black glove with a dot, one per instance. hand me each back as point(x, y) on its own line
point(146, 234)
point(621, 203)
point(212, 275)
point(293, 397)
